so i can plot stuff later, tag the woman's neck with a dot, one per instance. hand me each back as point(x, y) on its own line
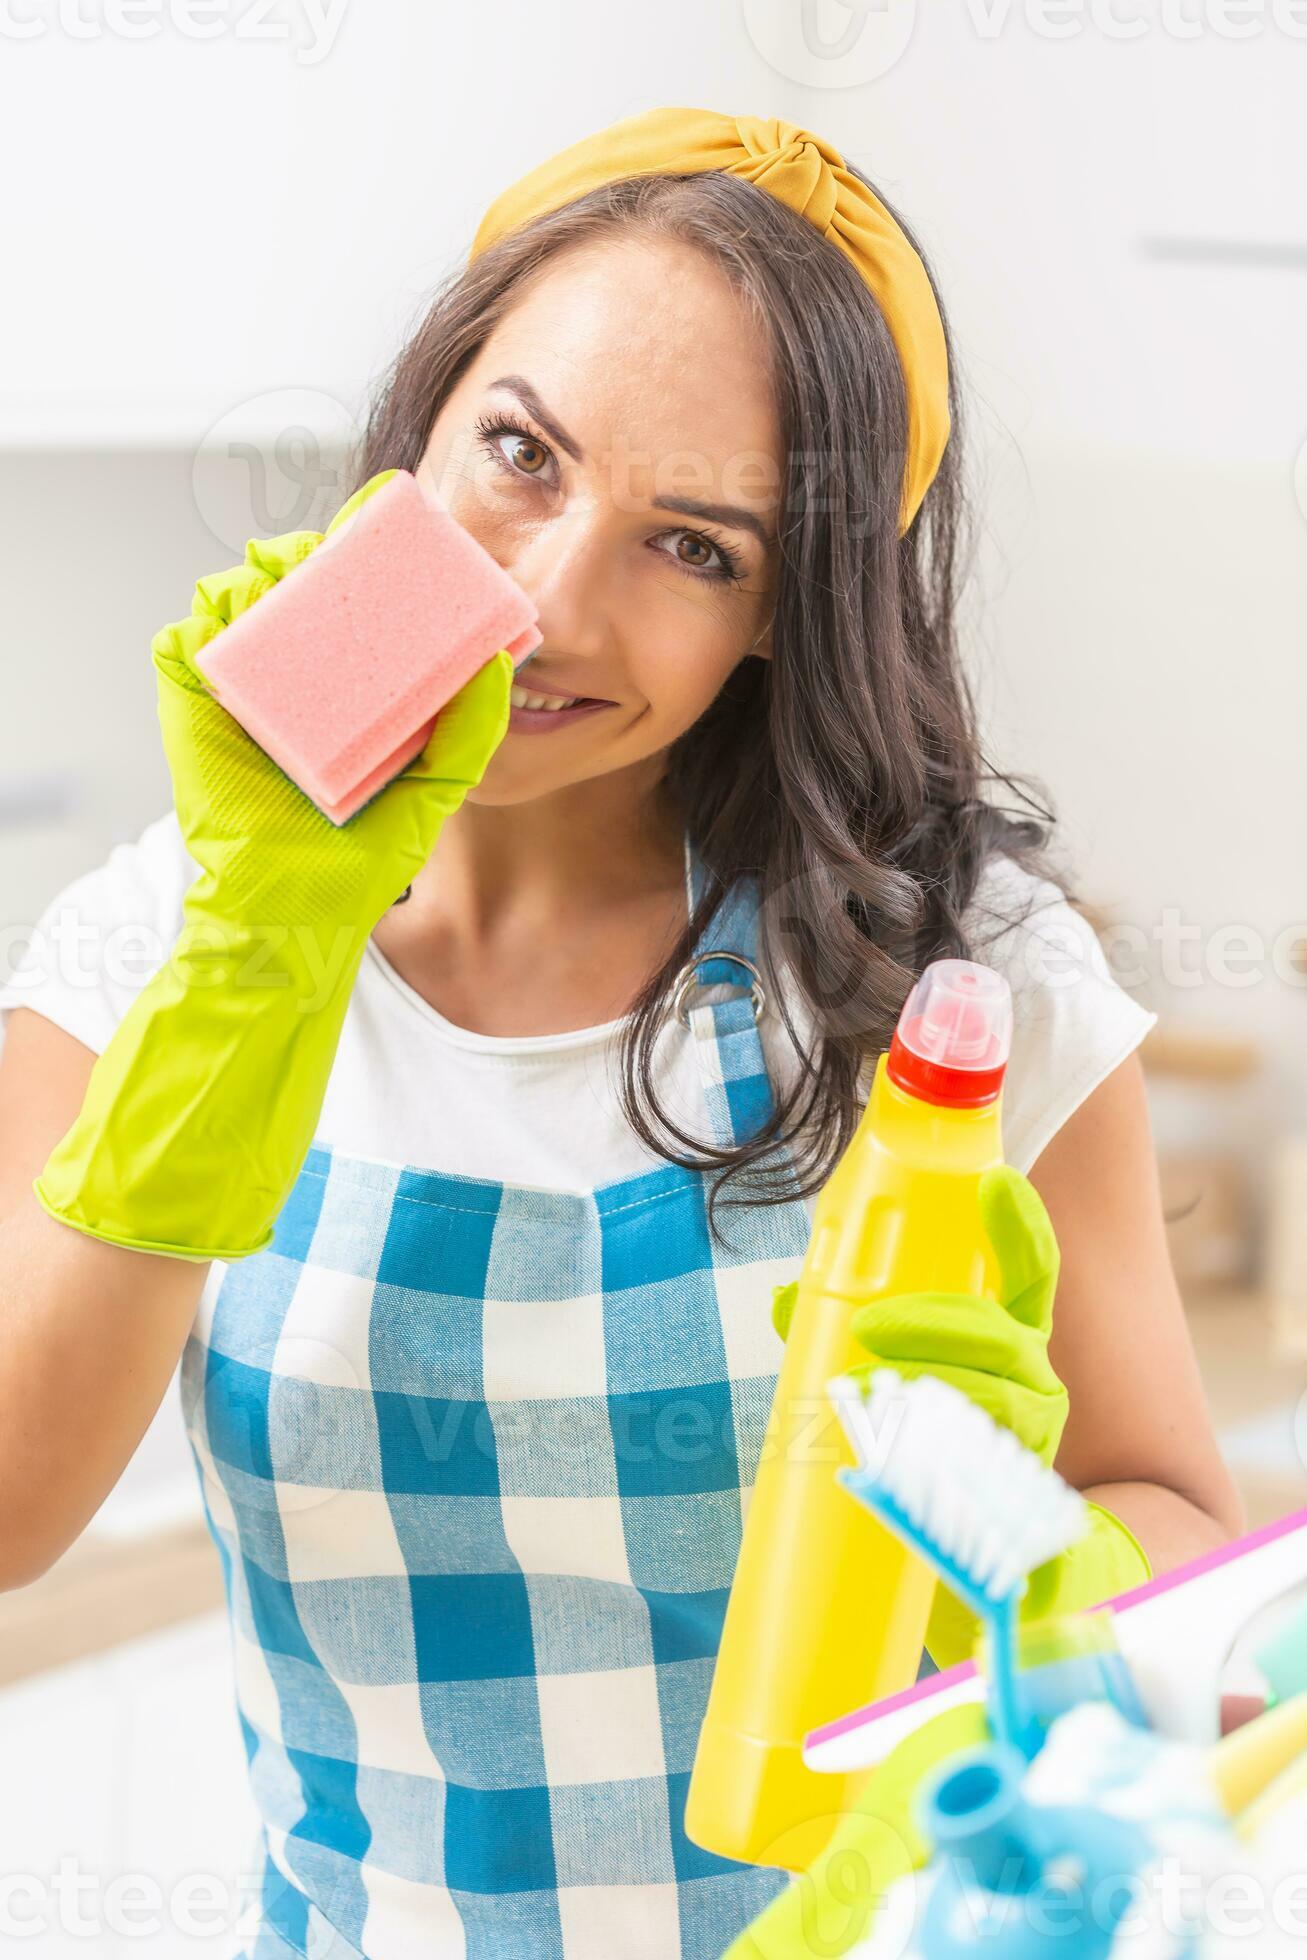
point(535, 918)
point(561, 856)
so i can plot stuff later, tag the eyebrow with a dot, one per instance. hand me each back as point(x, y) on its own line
point(734, 515)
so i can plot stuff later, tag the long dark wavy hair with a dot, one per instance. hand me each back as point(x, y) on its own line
point(846, 773)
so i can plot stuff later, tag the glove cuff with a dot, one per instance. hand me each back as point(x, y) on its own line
point(1106, 1561)
point(199, 1114)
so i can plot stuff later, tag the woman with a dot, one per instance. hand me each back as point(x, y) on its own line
point(475, 1387)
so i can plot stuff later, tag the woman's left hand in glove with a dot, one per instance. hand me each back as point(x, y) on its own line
point(995, 1351)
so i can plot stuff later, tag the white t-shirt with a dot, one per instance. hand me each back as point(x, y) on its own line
point(409, 1087)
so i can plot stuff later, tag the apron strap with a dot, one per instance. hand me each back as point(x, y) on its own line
point(728, 1047)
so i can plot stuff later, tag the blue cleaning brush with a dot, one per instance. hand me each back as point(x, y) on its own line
point(973, 1501)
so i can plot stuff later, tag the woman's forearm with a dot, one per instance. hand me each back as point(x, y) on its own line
point(90, 1335)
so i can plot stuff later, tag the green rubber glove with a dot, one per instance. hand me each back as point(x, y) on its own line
point(996, 1352)
point(201, 1110)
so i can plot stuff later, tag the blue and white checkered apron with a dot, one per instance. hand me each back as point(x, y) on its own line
point(473, 1456)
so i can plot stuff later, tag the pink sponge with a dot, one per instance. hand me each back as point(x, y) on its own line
point(338, 671)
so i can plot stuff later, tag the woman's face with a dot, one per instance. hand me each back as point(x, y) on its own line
point(614, 446)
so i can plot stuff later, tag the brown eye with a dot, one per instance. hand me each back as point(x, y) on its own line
point(529, 455)
point(697, 544)
point(719, 561)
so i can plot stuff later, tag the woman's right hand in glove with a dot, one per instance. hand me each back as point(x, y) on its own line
point(269, 858)
point(201, 1110)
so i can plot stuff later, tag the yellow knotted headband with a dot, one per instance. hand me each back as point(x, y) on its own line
point(809, 176)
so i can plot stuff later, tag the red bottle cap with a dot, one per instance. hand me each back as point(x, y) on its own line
point(954, 1036)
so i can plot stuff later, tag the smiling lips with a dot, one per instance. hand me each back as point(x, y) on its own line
point(532, 709)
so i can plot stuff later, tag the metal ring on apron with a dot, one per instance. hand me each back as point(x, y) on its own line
point(690, 979)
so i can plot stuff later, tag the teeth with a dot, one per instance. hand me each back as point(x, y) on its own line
point(520, 698)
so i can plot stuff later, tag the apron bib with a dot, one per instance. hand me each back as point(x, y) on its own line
point(474, 1457)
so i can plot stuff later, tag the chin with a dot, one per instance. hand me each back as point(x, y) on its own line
point(488, 796)
point(511, 780)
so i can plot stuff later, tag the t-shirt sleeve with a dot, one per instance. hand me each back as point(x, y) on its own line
point(1073, 1022)
point(103, 937)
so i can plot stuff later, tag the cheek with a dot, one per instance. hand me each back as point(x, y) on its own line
point(684, 638)
point(465, 482)
point(680, 674)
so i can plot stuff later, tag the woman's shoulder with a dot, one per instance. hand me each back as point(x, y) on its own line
point(1073, 1022)
point(1014, 909)
point(104, 935)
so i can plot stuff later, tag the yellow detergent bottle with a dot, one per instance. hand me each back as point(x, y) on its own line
point(828, 1609)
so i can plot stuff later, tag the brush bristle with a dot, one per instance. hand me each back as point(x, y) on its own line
point(969, 1487)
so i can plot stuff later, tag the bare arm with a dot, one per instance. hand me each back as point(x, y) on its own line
point(89, 1333)
point(1138, 1438)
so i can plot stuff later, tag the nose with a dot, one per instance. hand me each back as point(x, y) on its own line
point(565, 567)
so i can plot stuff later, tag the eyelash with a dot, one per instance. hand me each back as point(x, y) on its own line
point(489, 427)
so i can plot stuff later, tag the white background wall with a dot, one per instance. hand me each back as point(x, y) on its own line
point(227, 237)
point(204, 220)
point(223, 239)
